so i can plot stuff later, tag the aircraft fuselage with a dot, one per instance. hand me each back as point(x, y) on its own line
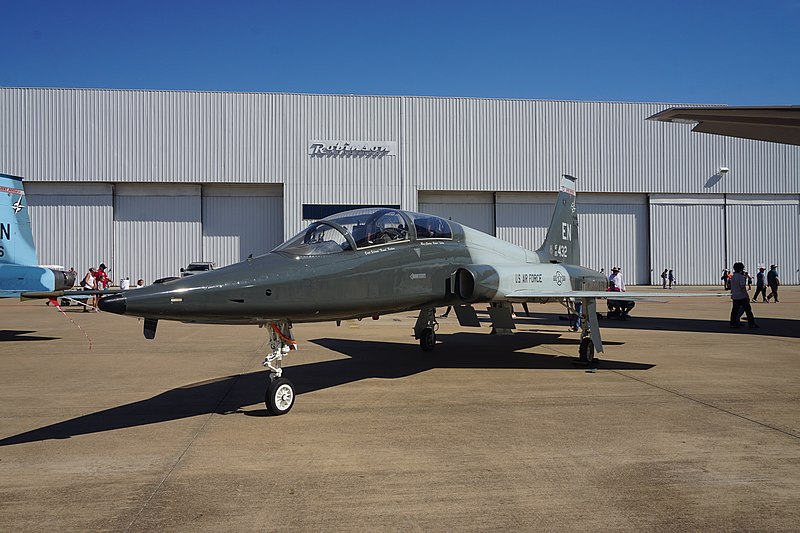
point(376, 280)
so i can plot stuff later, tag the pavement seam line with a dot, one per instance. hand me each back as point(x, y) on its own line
point(687, 397)
point(707, 404)
point(186, 449)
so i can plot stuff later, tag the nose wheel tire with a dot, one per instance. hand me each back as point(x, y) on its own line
point(586, 350)
point(280, 396)
point(427, 340)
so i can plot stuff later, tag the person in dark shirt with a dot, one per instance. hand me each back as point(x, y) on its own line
point(739, 298)
point(761, 285)
point(726, 279)
point(773, 282)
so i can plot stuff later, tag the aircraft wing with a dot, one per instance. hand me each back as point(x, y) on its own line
point(530, 295)
point(779, 124)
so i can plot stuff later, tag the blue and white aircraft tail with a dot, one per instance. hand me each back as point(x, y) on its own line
point(19, 271)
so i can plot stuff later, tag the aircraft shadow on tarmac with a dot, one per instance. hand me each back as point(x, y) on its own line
point(20, 335)
point(774, 327)
point(366, 359)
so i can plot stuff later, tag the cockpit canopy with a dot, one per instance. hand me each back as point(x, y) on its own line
point(364, 228)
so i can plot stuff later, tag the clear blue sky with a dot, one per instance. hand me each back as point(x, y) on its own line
point(733, 52)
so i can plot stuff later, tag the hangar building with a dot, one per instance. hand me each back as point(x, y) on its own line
point(147, 181)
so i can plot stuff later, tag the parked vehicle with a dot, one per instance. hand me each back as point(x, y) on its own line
point(196, 268)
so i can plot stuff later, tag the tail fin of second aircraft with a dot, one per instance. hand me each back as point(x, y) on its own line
point(561, 243)
point(16, 238)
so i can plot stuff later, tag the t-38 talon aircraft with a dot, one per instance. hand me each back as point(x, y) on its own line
point(376, 261)
point(18, 270)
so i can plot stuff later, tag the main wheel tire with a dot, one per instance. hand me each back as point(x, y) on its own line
point(280, 396)
point(428, 340)
point(586, 351)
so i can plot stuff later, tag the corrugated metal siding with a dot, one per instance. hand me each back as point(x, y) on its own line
point(688, 238)
point(37, 134)
point(444, 144)
point(239, 223)
point(72, 224)
point(760, 233)
point(513, 145)
point(473, 210)
point(176, 136)
point(156, 232)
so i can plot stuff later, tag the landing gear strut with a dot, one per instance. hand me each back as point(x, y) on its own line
point(425, 329)
point(280, 395)
point(590, 331)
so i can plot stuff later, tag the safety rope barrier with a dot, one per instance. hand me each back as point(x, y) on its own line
point(54, 302)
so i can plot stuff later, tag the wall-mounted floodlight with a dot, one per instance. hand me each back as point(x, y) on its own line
point(724, 170)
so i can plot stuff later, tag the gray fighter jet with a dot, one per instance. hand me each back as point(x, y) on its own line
point(371, 262)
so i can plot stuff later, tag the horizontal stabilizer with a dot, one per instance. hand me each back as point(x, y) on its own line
point(68, 294)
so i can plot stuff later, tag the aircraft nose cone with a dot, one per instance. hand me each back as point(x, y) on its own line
point(116, 303)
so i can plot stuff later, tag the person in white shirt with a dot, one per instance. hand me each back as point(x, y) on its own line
point(616, 277)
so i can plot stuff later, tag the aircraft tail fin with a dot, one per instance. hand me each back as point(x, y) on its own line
point(16, 238)
point(561, 243)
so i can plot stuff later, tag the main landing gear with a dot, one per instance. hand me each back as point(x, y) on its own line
point(586, 350)
point(590, 331)
point(425, 329)
point(280, 394)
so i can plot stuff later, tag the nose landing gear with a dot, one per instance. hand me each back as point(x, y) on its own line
point(280, 394)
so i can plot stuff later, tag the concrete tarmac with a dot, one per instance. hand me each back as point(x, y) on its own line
point(686, 425)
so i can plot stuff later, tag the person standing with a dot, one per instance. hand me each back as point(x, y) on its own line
point(761, 285)
point(89, 283)
point(773, 282)
point(726, 279)
point(616, 278)
point(102, 276)
point(664, 279)
point(671, 278)
point(740, 298)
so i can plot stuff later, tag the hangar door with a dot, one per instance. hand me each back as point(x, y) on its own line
point(473, 209)
point(765, 229)
point(523, 218)
point(72, 223)
point(156, 230)
point(614, 232)
point(239, 220)
point(612, 228)
point(687, 234)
